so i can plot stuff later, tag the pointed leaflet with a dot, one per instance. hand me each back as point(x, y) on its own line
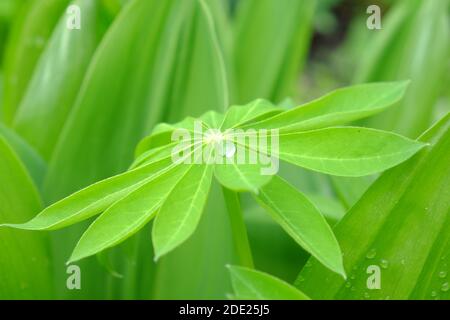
point(302, 221)
point(240, 115)
point(401, 225)
point(93, 199)
point(346, 151)
point(57, 78)
point(20, 251)
point(250, 284)
point(127, 216)
point(179, 215)
point(338, 107)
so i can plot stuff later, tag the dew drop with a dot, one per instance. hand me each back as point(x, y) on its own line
point(384, 264)
point(366, 295)
point(371, 254)
point(433, 293)
point(445, 287)
point(442, 274)
point(230, 149)
point(348, 284)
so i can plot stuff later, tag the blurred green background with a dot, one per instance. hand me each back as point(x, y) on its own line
point(74, 104)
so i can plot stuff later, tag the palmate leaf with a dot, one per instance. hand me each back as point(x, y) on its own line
point(176, 192)
point(250, 284)
point(401, 225)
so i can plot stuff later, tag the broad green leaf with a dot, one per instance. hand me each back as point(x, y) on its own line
point(94, 199)
point(302, 221)
point(212, 119)
point(271, 41)
point(240, 115)
point(346, 151)
point(112, 107)
point(57, 78)
point(413, 45)
point(127, 216)
point(24, 256)
point(399, 227)
point(29, 35)
point(36, 166)
point(250, 284)
point(180, 214)
point(338, 107)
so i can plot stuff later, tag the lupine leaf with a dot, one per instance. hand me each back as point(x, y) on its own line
point(127, 216)
point(302, 221)
point(250, 284)
point(94, 199)
point(239, 115)
point(346, 151)
point(180, 214)
point(338, 107)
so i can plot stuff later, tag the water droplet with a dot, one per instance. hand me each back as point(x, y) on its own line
point(301, 279)
point(442, 274)
point(433, 293)
point(352, 277)
point(384, 264)
point(445, 287)
point(230, 149)
point(371, 254)
point(308, 264)
point(348, 284)
point(403, 262)
point(366, 295)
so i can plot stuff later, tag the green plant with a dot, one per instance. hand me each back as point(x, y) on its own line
point(158, 186)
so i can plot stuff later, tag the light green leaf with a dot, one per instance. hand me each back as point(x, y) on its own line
point(237, 174)
point(338, 107)
point(212, 119)
point(57, 78)
point(401, 226)
point(127, 216)
point(94, 199)
point(250, 284)
point(302, 221)
point(28, 38)
point(240, 115)
point(346, 151)
point(24, 256)
point(270, 47)
point(180, 214)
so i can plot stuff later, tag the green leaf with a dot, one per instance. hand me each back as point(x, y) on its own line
point(413, 45)
point(24, 256)
point(239, 115)
point(346, 151)
point(270, 46)
point(180, 214)
point(29, 35)
point(338, 107)
point(295, 213)
point(94, 199)
point(114, 96)
point(36, 166)
point(56, 80)
point(127, 216)
point(250, 284)
point(401, 225)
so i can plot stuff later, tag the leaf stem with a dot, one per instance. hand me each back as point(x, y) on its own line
point(239, 230)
